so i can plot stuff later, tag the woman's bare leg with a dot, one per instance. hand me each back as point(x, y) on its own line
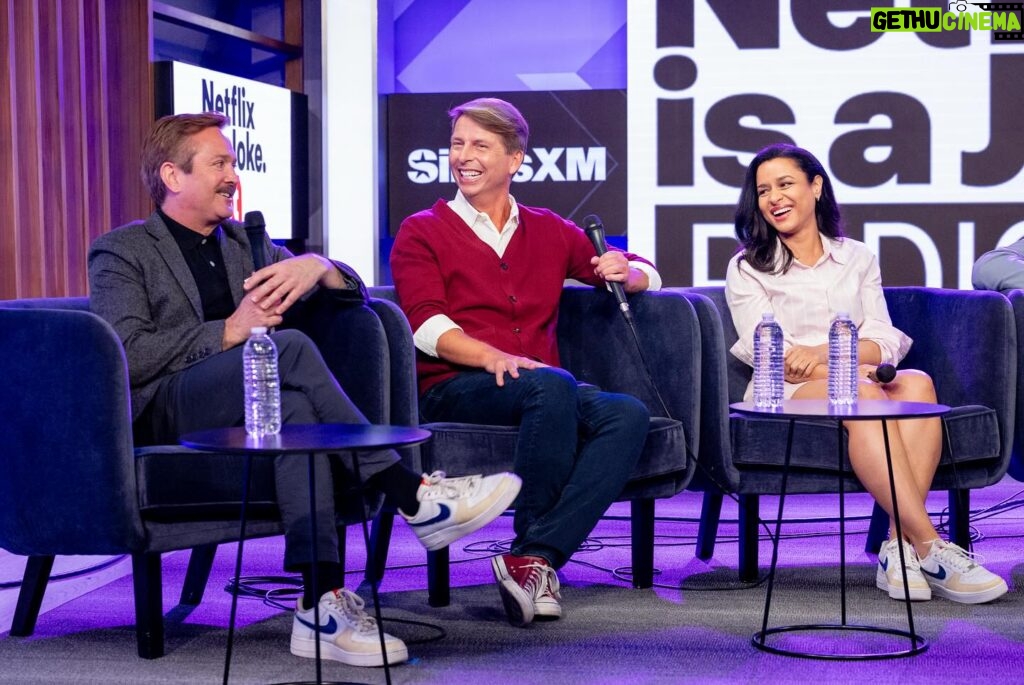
point(867, 456)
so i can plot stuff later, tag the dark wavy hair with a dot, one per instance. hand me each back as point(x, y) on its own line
point(757, 237)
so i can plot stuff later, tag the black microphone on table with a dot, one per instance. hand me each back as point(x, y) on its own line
point(883, 373)
point(256, 229)
point(594, 229)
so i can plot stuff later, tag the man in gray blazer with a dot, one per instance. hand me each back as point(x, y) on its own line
point(182, 293)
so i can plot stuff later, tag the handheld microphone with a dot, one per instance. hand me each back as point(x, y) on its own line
point(256, 229)
point(594, 229)
point(883, 373)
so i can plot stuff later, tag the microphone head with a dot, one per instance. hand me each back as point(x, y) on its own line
point(591, 222)
point(254, 220)
point(885, 373)
point(594, 229)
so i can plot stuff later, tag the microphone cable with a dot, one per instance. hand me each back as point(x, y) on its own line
point(594, 230)
point(705, 471)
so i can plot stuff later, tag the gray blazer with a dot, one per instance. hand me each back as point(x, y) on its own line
point(140, 284)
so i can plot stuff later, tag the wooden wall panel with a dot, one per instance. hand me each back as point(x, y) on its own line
point(93, 131)
point(8, 248)
point(73, 174)
point(48, 238)
point(75, 102)
point(27, 209)
point(129, 82)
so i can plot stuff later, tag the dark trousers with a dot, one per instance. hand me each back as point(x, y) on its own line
point(576, 448)
point(210, 395)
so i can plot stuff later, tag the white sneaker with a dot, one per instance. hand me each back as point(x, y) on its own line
point(347, 633)
point(954, 574)
point(889, 575)
point(453, 507)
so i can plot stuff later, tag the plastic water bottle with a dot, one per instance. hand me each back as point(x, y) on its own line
point(262, 385)
point(769, 375)
point(842, 361)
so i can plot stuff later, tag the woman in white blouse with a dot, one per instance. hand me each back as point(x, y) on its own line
point(795, 263)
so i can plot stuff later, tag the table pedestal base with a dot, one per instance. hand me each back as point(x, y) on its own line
point(759, 638)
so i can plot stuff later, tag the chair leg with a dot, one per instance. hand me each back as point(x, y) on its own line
point(642, 528)
point(878, 531)
point(439, 591)
point(960, 517)
point(149, 608)
point(342, 545)
point(200, 562)
point(710, 515)
point(380, 541)
point(749, 517)
point(30, 598)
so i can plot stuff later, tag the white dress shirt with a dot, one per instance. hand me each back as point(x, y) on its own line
point(806, 299)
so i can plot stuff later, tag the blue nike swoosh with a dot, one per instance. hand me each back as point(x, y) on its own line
point(441, 516)
point(329, 629)
point(941, 575)
point(884, 562)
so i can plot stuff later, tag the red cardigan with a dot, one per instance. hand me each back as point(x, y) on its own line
point(511, 302)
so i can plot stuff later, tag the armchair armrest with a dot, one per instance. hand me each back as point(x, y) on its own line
point(353, 343)
point(597, 346)
point(402, 358)
point(966, 341)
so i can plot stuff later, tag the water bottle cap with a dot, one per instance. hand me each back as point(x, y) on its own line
point(767, 316)
point(842, 315)
point(257, 330)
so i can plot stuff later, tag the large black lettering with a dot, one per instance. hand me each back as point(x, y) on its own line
point(208, 105)
point(675, 142)
point(909, 159)
point(810, 17)
point(675, 23)
point(675, 121)
point(751, 24)
point(725, 131)
point(1004, 156)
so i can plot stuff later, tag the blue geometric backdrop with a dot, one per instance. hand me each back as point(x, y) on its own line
point(448, 46)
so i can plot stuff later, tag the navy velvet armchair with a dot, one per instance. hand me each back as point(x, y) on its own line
point(596, 346)
point(965, 340)
point(72, 480)
point(1016, 467)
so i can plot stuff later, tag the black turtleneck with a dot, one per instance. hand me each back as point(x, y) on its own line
point(205, 261)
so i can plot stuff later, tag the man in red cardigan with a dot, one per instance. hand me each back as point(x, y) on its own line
point(480, 279)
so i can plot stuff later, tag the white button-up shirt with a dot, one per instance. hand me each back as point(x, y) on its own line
point(806, 299)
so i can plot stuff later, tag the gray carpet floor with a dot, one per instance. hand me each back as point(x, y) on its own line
point(695, 627)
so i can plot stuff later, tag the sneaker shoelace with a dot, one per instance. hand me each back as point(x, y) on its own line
point(541, 580)
point(956, 557)
point(551, 583)
point(437, 486)
point(351, 605)
point(913, 562)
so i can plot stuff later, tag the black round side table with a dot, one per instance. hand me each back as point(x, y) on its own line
point(308, 440)
point(864, 410)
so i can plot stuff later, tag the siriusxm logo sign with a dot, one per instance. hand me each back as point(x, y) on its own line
point(544, 164)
